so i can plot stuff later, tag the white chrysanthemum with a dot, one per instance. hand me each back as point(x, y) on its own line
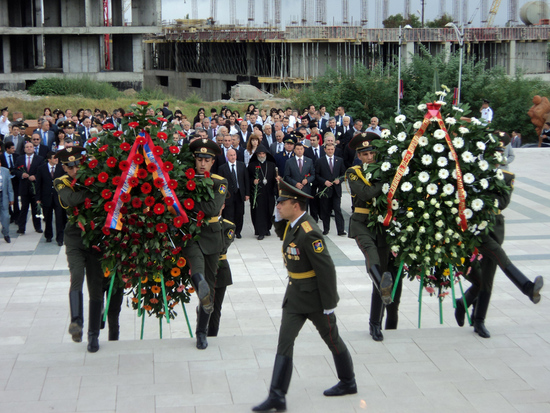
point(422, 230)
point(454, 211)
point(426, 159)
point(468, 157)
point(483, 164)
point(449, 203)
point(420, 204)
point(409, 228)
point(432, 189)
point(453, 174)
point(457, 109)
point(423, 177)
point(368, 176)
point(448, 189)
point(484, 183)
point(458, 142)
point(407, 170)
point(403, 239)
point(380, 218)
point(413, 256)
point(400, 118)
point(410, 214)
point(451, 156)
point(498, 157)
point(468, 213)
point(433, 201)
point(463, 130)
point(425, 215)
point(439, 134)
point(394, 204)
point(438, 236)
point(427, 260)
point(417, 125)
point(482, 226)
point(422, 107)
point(401, 136)
point(385, 166)
point(499, 174)
point(419, 189)
point(475, 121)
point(477, 204)
point(385, 188)
point(469, 178)
point(440, 93)
point(450, 121)
point(442, 161)
point(405, 153)
point(443, 173)
point(392, 149)
point(422, 141)
point(385, 133)
point(395, 248)
point(438, 213)
point(439, 148)
point(480, 146)
point(406, 187)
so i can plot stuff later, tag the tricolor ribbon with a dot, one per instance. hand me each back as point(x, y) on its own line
point(433, 112)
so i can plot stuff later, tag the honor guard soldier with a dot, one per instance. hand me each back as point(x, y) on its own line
point(311, 294)
point(371, 240)
point(203, 254)
point(83, 261)
point(482, 276)
point(69, 128)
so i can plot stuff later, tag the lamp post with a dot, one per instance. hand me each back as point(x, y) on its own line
point(460, 38)
point(399, 67)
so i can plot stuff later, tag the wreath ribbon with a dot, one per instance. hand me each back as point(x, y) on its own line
point(433, 112)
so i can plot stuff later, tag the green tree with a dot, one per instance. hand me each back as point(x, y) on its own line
point(396, 20)
point(440, 22)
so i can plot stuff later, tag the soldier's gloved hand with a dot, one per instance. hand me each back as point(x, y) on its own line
point(327, 312)
point(278, 216)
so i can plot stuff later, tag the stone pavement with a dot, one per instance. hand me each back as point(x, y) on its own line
point(438, 368)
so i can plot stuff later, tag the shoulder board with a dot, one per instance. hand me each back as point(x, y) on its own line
point(62, 182)
point(216, 176)
point(356, 167)
point(306, 227)
point(507, 172)
point(226, 221)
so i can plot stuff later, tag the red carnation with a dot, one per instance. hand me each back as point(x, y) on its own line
point(116, 180)
point(106, 194)
point(142, 173)
point(136, 202)
point(89, 181)
point(182, 134)
point(103, 177)
point(125, 197)
point(133, 182)
point(123, 210)
point(162, 228)
point(108, 207)
point(107, 231)
point(172, 184)
point(117, 134)
point(92, 225)
point(108, 126)
point(191, 185)
point(158, 209)
point(111, 162)
point(200, 215)
point(190, 173)
point(174, 149)
point(176, 251)
point(125, 146)
point(143, 103)
point(157, 150)
point(133, 124)
point(93, 163)
point(140, 140)
point(138, 159)
point(149, 201)
point(162, 135)
point(76, 212)
point(159, 182)
point(169, 201)
point(103, 148)
point(178, 222)
point(152, 122)
point(146, 188)
point(87, 203)
point(151, 167)
point(129, 114)
point(168, 166)
point(162, 119)
point(189, 203)
point(207, 174)
point(92, 139)
point(123, 165)
point(258, 167)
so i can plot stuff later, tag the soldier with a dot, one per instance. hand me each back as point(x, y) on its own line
point(493, 255)
point(69, 128)
point(311, 294)
point(371, 240)
point(82, 260)
point(203, 255)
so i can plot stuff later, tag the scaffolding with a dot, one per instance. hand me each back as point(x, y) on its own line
point(345, 11)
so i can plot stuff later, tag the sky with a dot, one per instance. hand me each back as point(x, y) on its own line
point(291, 10)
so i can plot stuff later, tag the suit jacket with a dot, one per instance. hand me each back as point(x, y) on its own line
point(323, 124)
point(311, 154)
point(240, 153)
point(265, 140)
point(19, 145)
point(280, 161)
point(244, 138)
point(7, 189)
point(338, 134)
point(21, 167)
point(242, 178)
point(82, 133)
point(322, 174)
point(273, 148)
point(340, 119)
point(293, 176)
point(50, 135)
point(44, 184)
point(4, 160)
point(210, 133)
point(43, 150)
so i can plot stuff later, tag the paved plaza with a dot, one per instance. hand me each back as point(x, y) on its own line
point(438, 368)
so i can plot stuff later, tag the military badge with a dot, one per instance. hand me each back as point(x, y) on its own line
point(60, 187)
point(318, 246)
point(230, 234)
point(222, 189)
point(353, 177)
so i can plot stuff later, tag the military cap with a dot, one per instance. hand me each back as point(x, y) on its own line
point(204, 148)
point(3, 109)
point(287, 191)
point(362, 141)
point(289, 139)
point(69, 124)
point(486, 101)
point(70, 156)
point(98, 122)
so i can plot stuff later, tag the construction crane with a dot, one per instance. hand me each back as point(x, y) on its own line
point(492, 13)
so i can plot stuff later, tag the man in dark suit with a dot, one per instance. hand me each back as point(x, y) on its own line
point(239, 187)
point(222, 157)
point(236, 144)
point(26, 169)
point(329, 171)
point(39, 149)
point(48, 137)
point(334, 129)
point(268, 137)
point(244, 133)
point(7, 160)
point(315, 152)
point(84, 130)
point(167, 113)
point(340, 116)
point(282, 157)
point(299, 170)
point(17, 138)
point(47, 196)
point(277, 145)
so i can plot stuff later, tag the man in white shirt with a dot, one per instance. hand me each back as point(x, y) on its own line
point(486, 112)
point(373, 127)
point(4, 123)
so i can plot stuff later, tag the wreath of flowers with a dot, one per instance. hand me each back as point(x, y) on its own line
point(431, 231)
point(146, 186)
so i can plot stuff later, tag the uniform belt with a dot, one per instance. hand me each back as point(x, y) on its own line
point(361, 210)
point(213, 220)
point(301, 275)
point(223, 257)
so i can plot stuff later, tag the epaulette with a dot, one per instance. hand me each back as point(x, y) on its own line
point(216, 176)
point(62, 182)
point(228, 222)
point(306, 226)
point(358, 169)
point(507, 172)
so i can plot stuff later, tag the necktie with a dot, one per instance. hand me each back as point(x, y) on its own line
point(44, 138)
point(10, 162)
point(330, 164)
point(300, 165)
point(214, 132)
point(316, 154)
point(279, 147)
point(36, 150)
point(51, 172)
point(28, 163)
point(334, 132)
point(235, 184)
point(87, 133)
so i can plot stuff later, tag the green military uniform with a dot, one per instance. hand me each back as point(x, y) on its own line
point(223, 278)
point(312, 295)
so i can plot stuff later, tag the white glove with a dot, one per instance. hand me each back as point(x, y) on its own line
point(278, 216)
point(327, 312)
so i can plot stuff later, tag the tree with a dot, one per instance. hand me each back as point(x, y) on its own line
point(440, 22)
point(396, 20)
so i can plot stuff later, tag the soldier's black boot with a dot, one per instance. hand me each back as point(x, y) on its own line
point(482, 305)
point(202, 328)
point(203, 291)
point(376, 313)
point(460, 310)
point(392, 310)
point(77, 315)
point(344, 369)
point(113, 314)
point(529, 288)
point(282, 372)
point(383, 282)
point(94, 325)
